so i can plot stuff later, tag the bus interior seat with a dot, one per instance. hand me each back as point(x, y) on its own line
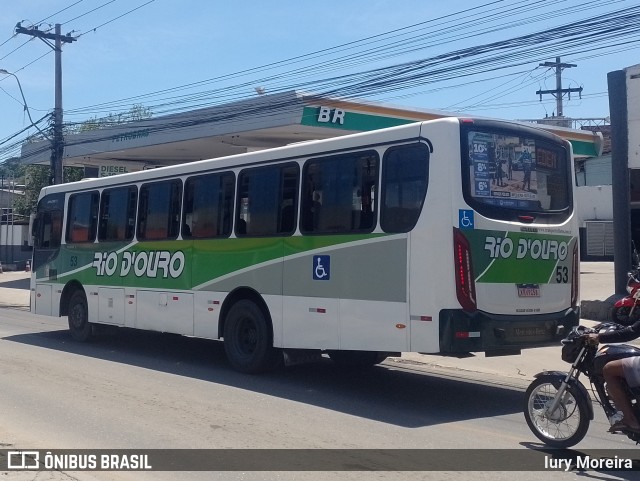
point(334, 219)
point(287, 219)
point(241, 226)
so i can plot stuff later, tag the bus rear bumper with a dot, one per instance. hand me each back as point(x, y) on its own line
point(464, 332)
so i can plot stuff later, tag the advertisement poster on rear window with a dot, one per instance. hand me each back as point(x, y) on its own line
point(503, 170)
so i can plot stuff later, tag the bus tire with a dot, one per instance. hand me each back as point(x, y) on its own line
point(357, 358)
point(247, 338)
point(79, 326)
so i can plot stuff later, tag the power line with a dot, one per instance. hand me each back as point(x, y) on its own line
point(559, 92)
point(600, 32)
point(37, 23)
point(16, 49)
point(75, 18)
point(59, 11)
point(322, 66)
point(286, 77)
point(57, 143)
point(118, 17)
point(439, 26)
point(48, 52)
point(90, 11)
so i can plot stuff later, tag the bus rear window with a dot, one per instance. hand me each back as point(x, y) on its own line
point(518, 173)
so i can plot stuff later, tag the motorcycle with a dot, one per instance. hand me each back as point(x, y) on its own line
point(558, 408)
point(626, 311)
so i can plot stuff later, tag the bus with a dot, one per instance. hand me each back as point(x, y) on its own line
point(449, 236)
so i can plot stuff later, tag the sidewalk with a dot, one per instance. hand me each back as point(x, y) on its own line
point(14, 290)
point(597, 286)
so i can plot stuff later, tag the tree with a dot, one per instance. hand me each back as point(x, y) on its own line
point(135, 113)
point(36, 177)
point(11, 171)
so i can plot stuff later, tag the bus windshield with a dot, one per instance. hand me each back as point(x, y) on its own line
point(517, 173)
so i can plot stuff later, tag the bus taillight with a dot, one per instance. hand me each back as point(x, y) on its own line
point(465, 283)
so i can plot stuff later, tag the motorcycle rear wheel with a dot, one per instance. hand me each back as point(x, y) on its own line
point(620, 315)
point(565, 427)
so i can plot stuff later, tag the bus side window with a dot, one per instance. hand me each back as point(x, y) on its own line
point(159, 210)
point(130, 221)
point(405, 171)
point(267, 200)
point(208, 206)
point(117, 214)
point(288, 200)
point(82, 217)
point(339, 194)
point(50, 229)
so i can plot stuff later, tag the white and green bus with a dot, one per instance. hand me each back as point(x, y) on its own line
point(449, 236)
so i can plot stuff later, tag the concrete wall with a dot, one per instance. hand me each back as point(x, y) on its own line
point(7, 198)
point(13, 248)
point(594, 203)
point(597, 171)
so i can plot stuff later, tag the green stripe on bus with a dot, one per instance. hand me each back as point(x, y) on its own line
point(204, 260)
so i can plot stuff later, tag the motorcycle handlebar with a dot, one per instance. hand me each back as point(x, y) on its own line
point(581, 331)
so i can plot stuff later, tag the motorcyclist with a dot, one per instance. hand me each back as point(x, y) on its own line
point(614, 371)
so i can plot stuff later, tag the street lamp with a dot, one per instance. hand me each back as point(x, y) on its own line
point(24, 101)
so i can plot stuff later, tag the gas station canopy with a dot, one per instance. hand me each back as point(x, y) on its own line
point(262, 122)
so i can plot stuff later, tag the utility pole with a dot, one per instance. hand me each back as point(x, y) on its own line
point(559, 91)
point(620, 177)
point(57, 144)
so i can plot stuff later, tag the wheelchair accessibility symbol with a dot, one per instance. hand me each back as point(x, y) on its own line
point(465, 219)
point(321, 268)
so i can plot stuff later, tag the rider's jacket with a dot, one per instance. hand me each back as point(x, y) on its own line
point(629, 333)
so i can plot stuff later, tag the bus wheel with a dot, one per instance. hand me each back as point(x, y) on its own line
point(357, 358)
point(79, 325)
point(247, 339)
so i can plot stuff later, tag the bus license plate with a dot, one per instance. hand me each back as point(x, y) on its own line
point(530, 332)
point(528, 290)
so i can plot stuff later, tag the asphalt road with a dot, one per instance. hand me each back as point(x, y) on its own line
point(139, 390)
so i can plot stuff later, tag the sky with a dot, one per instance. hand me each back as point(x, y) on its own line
point(171, 55)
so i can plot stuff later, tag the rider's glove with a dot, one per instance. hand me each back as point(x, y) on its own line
point(591, 339)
